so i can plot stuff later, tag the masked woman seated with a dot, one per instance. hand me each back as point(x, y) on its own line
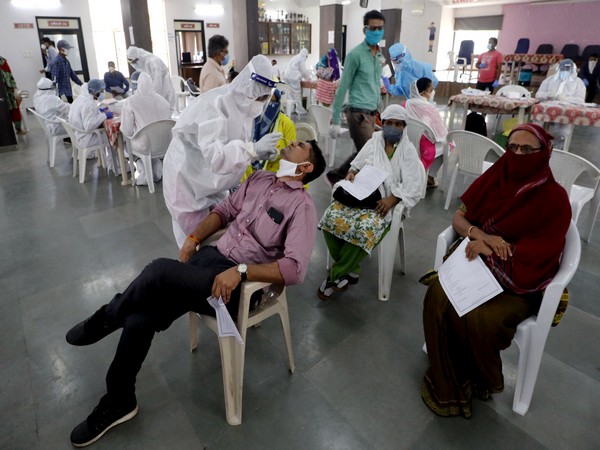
point(420, 106)
point(352, 229)
point(516, 217)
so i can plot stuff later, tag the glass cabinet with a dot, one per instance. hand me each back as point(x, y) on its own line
point(283, 38)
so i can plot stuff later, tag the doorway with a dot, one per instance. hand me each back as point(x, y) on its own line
point(191, 48)
point(69, 29)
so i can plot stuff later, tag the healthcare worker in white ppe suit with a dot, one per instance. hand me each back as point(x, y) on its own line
point(295, 72)
point(84, 114)
point(49, 105)
point(212, 146)
point(151, 64)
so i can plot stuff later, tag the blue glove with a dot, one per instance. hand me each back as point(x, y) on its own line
point(386, 83)
point(586, 82)
point(482, 65)
point(495, 84)
point(108, 114)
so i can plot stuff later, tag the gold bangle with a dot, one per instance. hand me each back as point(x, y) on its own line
point(194, 239)
point(469, 231)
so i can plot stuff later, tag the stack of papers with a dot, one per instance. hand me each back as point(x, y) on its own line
point(467, 284)
point(365, 182)
point(225, 324)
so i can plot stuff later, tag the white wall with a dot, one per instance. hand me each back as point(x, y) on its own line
point(415, 31)
point(353, 19)
point(21, 47)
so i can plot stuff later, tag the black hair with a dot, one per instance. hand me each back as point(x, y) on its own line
point(45, 40)
point(318, 161)
point(423, 84)
point(593, 55)
point(494, 40)
point(112, 63)
point(374, 14)
point(216, 44)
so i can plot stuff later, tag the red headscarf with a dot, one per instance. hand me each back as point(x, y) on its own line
point(519, 200)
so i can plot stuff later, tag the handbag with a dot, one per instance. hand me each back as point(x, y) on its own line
point(347, 199)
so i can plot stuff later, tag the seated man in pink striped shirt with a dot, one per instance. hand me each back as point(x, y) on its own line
point(272, 226)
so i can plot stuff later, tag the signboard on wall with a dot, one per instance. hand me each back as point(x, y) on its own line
point(212, 25)
point(57, 23)
point(181, 25)
point(23, 25)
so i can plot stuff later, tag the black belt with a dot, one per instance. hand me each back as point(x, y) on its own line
point(363, 111)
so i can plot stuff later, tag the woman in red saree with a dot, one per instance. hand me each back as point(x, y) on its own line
point(516, 217)
point(7, 78)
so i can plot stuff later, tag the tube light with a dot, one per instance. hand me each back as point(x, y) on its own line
point(44, 4)
point(209, 10)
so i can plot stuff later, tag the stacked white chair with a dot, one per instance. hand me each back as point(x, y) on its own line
point(287, 99)
point(158, 135)
point(52, 140)
point(471, 150)
point(304, 132)
point(322, 117)
point(80, 154)
point(568, 168)
point(532, 332)
point(181, 92)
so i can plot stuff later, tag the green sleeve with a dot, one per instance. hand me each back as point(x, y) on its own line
point(350, 69)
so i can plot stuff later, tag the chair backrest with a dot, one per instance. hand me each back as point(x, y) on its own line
point(522, 45)
point(510, 89)
point(567, 168)
point(545, 49)
point(589, 50)
point(159, 135)
point(415, 130)
point(179, 84)
point(472, 149)
point(466, 50)
point(70, 131)
point(304, 132)
point(322, 116)
point(43, 121)
point(570, 51)
point(452, 60)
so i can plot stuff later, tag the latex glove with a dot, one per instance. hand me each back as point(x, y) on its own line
point(265, 148)
point(482, 65)
point(334, 131)
point(495, 84)
point(586, 82)
point(386, 83)
point(109, 114)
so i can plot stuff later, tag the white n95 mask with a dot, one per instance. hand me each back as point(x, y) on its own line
point(288, 169)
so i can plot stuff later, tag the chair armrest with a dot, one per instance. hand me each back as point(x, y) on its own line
point(444, 241)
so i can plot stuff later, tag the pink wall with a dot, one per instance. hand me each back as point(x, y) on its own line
point(565, 23)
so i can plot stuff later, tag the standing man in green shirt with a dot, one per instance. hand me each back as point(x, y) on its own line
point(362, 72)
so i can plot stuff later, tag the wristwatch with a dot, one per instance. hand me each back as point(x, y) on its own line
point(243, 271)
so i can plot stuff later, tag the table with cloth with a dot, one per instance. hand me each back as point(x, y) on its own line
point(115, 137)
point(513, 63)
point(490, 104)
point(567, 114)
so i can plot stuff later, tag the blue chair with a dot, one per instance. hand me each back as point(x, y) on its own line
point(544, 49)
point(570, 51)
point(522, 46)
point(464, 58)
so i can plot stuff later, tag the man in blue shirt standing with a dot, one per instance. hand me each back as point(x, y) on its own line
point(361, 80)
point(115, 81)
point(62, 73)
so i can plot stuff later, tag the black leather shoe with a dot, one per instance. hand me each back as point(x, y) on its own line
point(104, 416)
point(91, 330)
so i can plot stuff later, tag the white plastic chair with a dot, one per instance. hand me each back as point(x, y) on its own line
point(79, 153)
point(233, 353)
point(471, 150)
point(567, 168)
point(52, 140)
point(415, 129)
point(179, 85)
point(22, 94)
point(158, 136)
point(532, 332)
point(304, 132)
point(322, 117)
point(287, 99)
point(513, 91)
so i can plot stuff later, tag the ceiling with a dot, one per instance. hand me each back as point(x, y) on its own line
point(457, 3)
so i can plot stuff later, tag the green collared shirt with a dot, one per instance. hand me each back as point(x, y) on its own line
point(360, 79)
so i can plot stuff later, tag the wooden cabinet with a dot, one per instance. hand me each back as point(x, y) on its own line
point(283, 38)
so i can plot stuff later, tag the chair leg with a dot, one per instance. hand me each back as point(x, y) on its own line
point(149, 174)
point(332, 151)
point(401, 248)
point(193, 325)
point(232, 361)
point(75, 154)
point(82, 162)
point(285, 324)
point(589, 224)
point(530, 357)
point(52, 150)
point(451, 187)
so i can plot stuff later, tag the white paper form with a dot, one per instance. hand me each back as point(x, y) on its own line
point(467, 284)
point(365, 182)
point(225, 324)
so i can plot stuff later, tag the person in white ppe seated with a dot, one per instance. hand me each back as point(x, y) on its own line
point(295, 72)
point(563, 86)
point(144, 107)
point(86, 116)
point(145, 61)
point(48, 105)
point(212, 146)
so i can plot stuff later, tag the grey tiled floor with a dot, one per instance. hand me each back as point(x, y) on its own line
point(67, 248)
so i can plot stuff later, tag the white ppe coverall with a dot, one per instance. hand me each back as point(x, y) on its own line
point(156, 68)
point(49, 105)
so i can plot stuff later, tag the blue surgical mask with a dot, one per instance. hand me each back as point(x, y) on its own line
point(225, 60)
point(490, 46)
point(374, 36)
point(101, 97)
point(392, 134)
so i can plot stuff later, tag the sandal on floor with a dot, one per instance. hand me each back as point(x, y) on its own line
point(341, 284)
point(325, 290)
